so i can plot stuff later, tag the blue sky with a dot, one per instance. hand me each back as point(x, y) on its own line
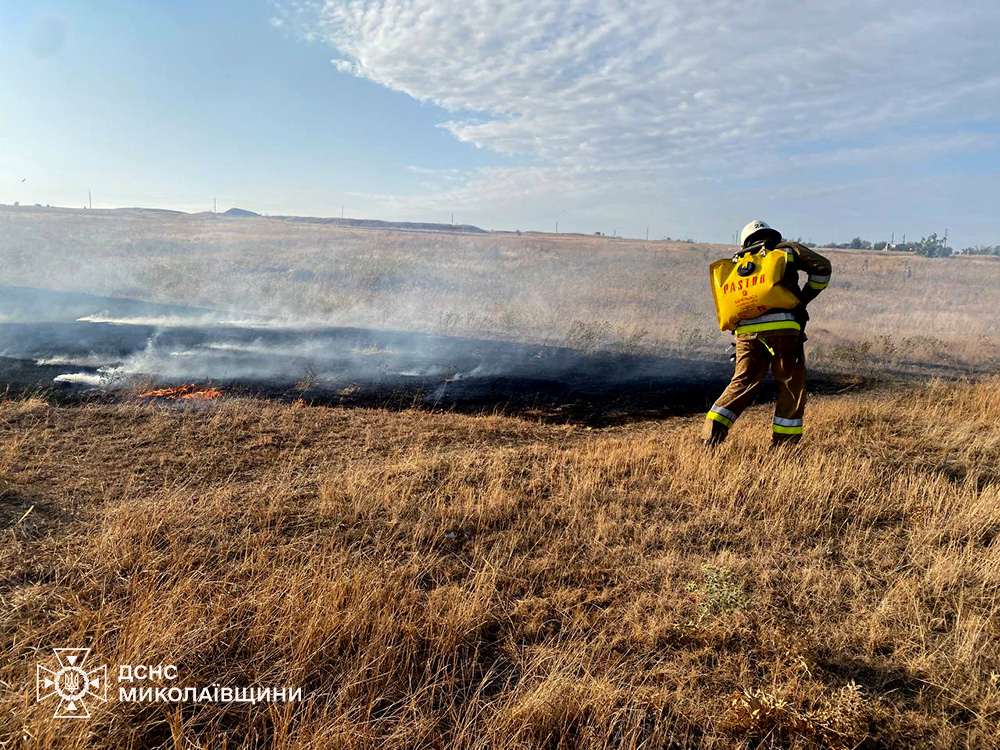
point(174, 103)
point(825, 119)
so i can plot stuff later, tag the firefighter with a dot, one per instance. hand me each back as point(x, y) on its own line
point(773, 339)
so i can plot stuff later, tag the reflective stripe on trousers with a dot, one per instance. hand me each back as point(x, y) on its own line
point(721, 415)
point(784, 426)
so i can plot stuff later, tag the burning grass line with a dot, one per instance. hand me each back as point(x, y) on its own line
point(182, 392)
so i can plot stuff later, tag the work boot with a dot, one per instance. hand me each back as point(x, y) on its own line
point(713, 433)
point(779, 441)
point(715, 440)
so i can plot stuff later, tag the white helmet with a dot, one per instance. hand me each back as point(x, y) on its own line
point(758, 230)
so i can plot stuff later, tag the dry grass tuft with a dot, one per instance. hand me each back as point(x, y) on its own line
point(845, 719)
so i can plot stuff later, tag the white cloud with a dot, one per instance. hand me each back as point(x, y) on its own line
point(345, 66)
point(608, 96)
point(443, 174)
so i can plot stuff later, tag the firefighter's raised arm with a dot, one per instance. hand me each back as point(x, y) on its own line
point(814, 264)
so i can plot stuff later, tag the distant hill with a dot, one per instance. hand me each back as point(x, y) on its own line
point(417, 226)
point(240, 212)
point(141, 210)
point(376, 224)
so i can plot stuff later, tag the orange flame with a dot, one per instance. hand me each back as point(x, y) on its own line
point(186, 391)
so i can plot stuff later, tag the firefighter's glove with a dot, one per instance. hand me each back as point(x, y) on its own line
point(801, 316)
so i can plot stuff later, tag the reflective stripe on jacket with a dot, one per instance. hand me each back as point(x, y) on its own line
point(775, 321)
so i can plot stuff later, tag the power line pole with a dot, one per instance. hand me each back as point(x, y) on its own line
point(453, 218)
point(215, 206)
point(90, 201)
point(647, 234)
point(341, 211)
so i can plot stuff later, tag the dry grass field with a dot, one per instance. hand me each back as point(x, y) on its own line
point(430, 579)
point(586, 292)
point(443, 581)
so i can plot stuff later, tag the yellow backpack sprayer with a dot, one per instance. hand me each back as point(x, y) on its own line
point(747, 285)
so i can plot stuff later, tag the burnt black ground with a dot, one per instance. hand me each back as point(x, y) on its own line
point(43, 338)
point(588, 397)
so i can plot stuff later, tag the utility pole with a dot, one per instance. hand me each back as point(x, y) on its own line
point(90, 201)
point(453, 218)
point(341, 211)
point(647, 234)
point(215, 206)
point(557, 226)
